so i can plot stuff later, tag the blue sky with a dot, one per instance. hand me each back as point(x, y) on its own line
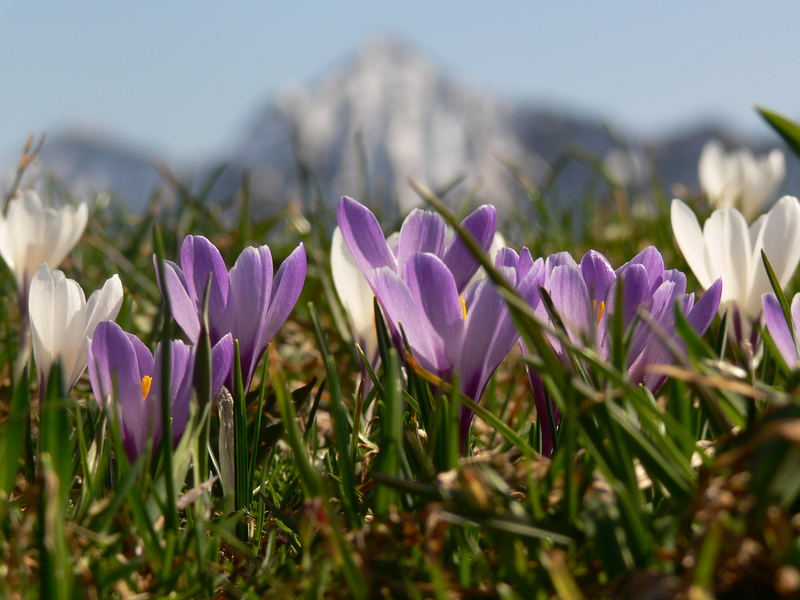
point(181, 77)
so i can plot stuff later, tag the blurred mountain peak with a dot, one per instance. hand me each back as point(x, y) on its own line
point(384, 114)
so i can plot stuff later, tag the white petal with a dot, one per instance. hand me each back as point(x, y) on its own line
point(709, 170)
point(355, 294)
point(728, 252)
point(103, 305)
point(40, 311)
point(778, 233)
point(690, 241)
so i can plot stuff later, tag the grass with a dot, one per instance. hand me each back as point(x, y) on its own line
point(351, 491)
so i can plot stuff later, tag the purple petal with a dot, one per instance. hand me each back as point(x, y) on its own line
point(677, 277)
point(528, 286)
point(401, 310)
point(180, 389)
point(525, 263)
point(250, 294)
point(184, 309)
point(558, 259)
point(482, 225)
point(364, 237)
point(701, 315)
point(489, 336)
point(636, 287)
point(221, 362)
point(433, 289)
point(199, 260)
point(598, 275)
point(645, 344)
point(113, 360)
point(286, 288)
point(779, 329)
point(650, 258)
point(571, 300)
point(508, 257)
point(422, 231)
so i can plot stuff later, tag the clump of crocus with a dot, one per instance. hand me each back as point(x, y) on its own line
point(32, 233)
point(584, 297)
point(423, 286)
point(739, 179)
point(727, 249)
point(784, 334)
point(62, 320)
point(124, 373)
point(356, 294)
point(245, 301)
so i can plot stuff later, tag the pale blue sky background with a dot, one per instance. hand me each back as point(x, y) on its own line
point(181, 77)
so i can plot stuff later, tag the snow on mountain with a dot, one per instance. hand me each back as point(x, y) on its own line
point(396, 108)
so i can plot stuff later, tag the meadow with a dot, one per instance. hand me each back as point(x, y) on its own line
point(606, 409)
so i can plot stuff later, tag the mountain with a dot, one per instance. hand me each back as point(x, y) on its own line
point(89, 162)
point(386, 114)
point(396, 109)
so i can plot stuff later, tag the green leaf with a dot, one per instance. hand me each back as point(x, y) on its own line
point(786, 128)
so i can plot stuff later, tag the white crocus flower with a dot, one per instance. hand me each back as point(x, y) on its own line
point(32, 233)
point(62, 320)
point(355, 294)
point(738, 179)
point(726, 248)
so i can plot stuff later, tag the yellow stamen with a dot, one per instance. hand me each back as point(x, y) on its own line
point(146, 382)
point(463, 307)
point(601, 311)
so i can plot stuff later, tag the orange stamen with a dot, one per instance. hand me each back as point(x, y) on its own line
point(146, 382)
point(601, 311)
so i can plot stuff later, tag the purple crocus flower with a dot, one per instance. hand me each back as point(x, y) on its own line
point(245, 301)
point(584, 295)
point(422, 287)
point(784, 337)
point(119, 363)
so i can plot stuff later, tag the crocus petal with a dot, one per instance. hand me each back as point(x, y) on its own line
point(354, 293)
point(557, 260)
point(571, 300)
point(598, 275)
point(650, 259)
point(778, 233)
point(402, 312)
point(113, 360)
point(250, 295)
point(433, 289)
point(422, 231)
point(286, 288)
point(710, 171)
point(221, 362)
point(200, 260)
point(363, 236)
point(795, 309)
point(702, 313)
point(184, 308)
point(690, 240)
point(636, 291)
point(779, 329)
point(103, 304)
point(482, 225)
point(53, 305)
point(180, 387)
point(488, 338)
point(727, 246)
